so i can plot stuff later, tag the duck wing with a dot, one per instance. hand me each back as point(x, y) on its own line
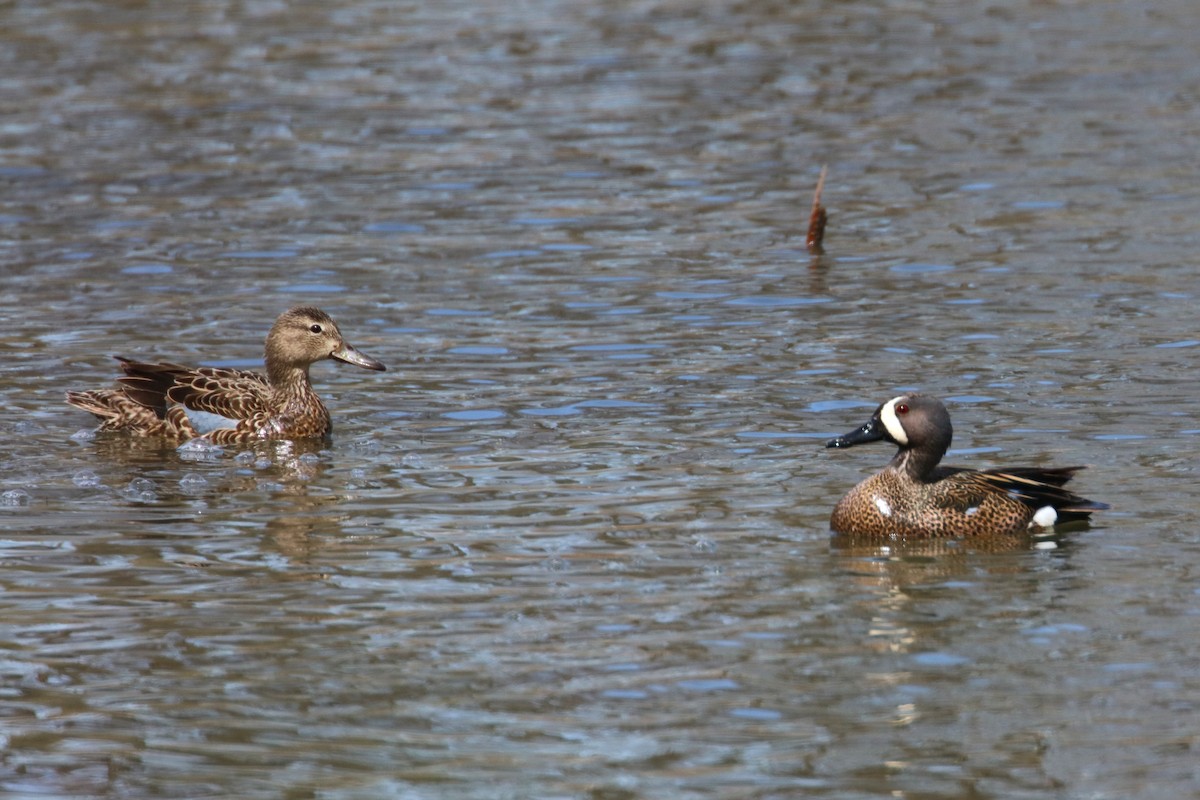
point(147, 384)
point(234, 394)
point(1037, 488)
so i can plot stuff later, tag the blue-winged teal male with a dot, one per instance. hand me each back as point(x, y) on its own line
point(913, 497)
point(228, 406)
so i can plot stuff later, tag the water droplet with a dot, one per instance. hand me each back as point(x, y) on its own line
point(142, 485)
point(15, 498)
point(86, 479)
point(366, 445)
point(191, 483)
point(199, 450)
point(141, 490)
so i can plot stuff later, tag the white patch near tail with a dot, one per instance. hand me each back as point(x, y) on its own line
point(884, 507)
point(1044, 517)
point(887, 415)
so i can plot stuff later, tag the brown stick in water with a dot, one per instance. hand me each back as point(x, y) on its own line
point(816, 220)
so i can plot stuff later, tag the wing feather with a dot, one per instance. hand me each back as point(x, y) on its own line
point(1041, 487)
point(232, 393)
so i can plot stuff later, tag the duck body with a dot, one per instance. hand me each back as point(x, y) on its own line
point(914, 497)
point(228, 406)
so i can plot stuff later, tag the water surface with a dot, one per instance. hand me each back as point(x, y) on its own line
point(574, 542)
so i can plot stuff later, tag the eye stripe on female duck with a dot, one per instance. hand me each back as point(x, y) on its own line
point(915, 497)
point(228, 406)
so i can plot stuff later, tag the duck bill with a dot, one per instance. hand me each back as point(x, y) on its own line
point(351, 356)
point(871, 432)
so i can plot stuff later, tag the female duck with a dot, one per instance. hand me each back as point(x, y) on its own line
point(228, 406)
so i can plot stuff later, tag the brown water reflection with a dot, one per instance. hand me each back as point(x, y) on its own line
point(576, 544)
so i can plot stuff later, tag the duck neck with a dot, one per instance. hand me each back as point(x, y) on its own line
point(917, 464)
point(288, 382)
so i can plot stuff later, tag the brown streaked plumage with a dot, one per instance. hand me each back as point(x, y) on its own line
point(229, 406)
point(914, 497)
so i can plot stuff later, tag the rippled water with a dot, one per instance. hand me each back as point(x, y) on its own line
point(574, 542)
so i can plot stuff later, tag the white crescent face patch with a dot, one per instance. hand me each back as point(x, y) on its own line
point(891, 421)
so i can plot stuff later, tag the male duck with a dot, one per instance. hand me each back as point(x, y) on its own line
point(913, 497)
point(230, 406)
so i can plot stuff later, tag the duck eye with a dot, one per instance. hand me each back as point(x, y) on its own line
point(315, 328)
point(902, 408)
